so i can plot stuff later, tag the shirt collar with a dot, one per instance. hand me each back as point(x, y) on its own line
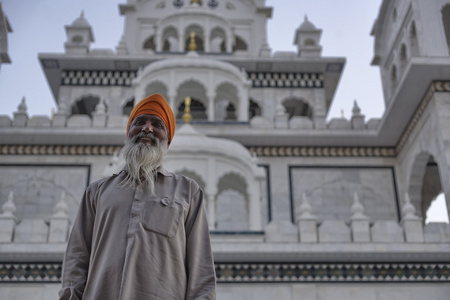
point(160, 170)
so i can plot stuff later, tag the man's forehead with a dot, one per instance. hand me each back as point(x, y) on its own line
point(148, 116)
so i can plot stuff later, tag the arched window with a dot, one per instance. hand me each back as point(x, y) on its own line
point(239, 44)
point(446, 22)
point(232, 209)
point(198, 110)
point(309, 42)
point(170, 39)
point(254, 109)
point(218, 39)
point(85, 106)
point(77, 39)
point(149, 44)
point(393, 78)
point(425, 184)
point(403, 56)
point(128, 107)
point(413, 39)
point(296, 107)
point(196, 32)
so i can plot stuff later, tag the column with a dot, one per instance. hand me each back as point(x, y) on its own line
point(211, 200)
point(211, 106)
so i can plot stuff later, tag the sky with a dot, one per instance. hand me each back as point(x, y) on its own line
point(38, 27)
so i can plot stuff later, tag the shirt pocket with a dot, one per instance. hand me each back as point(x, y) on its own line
point(162, 215)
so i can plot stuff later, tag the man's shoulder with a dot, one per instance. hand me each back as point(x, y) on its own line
point(100, 182)
point(180, 178)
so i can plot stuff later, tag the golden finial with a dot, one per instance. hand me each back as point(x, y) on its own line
point(194, 1)
point(187, 117)
point(192, 44)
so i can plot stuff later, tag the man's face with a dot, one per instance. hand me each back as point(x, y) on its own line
point(147, 127)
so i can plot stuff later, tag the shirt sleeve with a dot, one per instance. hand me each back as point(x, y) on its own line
point(199, 260)
point(76, 260)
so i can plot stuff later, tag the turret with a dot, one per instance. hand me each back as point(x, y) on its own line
point(307, 39)
point(79, 36)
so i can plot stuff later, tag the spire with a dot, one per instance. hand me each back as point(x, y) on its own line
point(8, 208)
point(22, 107)
point(357, 208)
point(356, 110)
point(61, 208)
point(192, 44)
point(187, 117)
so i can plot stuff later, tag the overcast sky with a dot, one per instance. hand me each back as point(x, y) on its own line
point(38, 26)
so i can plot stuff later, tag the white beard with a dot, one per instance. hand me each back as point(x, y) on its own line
point(142, 160)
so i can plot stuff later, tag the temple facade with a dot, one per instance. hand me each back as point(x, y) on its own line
point(298, 207)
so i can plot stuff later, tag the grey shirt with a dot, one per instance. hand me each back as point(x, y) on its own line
point(128, 244)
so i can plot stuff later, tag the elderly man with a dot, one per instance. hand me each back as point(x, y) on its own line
point(141, 233)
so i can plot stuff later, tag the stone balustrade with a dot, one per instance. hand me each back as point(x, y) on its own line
point(358, 229)
point(54, 229)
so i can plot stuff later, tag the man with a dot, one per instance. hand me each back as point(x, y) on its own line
point(142, 233)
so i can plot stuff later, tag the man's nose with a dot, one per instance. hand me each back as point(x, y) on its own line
point(147, 127)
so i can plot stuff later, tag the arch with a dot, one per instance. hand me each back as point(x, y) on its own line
point(239, 44)
point(198, 110)
point(403, 56)
point(445, 11)
point(199, 103)
point(156, 87)
point(128, 107)
point(77, 39)
point(193, 175)
point(425, 182)
point(226, 101)
point(170, 39)
point(297, 107)
point(199, 37)
point(393, 78)
point(85, 105)
point(232, 204)
point(149, 44)
point(413, 39)
point(309, 42)
point(218, 40)
point(254, 109)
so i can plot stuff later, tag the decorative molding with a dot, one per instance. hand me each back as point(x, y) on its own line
point(436, 86)
point(57, 150)
point(267, 272)
point(97, 78)
point(356, 272)
point(30, 272)
point(285, 80)
point(324, 151)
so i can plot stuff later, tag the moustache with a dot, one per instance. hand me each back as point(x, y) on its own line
point(149, 136)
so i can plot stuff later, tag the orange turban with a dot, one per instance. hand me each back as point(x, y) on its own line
point(155, 105)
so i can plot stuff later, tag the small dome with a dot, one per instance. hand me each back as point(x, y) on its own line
point(307, 25)
point(189, 140)
point(80, 21)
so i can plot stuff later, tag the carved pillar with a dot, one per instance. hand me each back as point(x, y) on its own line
point(306, 222)
point(59, 222)
point(359, 222)
point(7, 220)
point(412, 224)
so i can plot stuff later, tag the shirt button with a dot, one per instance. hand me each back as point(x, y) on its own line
point(165, 201)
